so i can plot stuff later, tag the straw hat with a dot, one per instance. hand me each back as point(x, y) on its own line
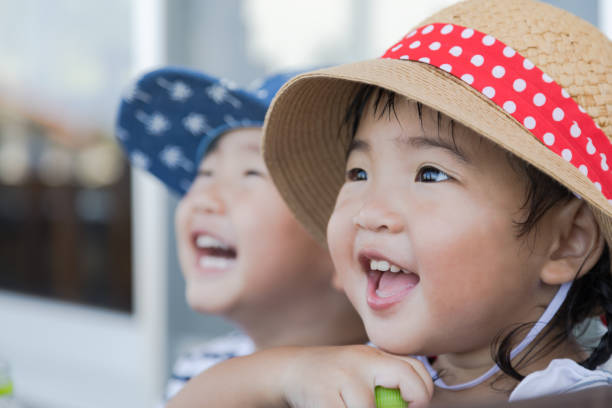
point(532, 78)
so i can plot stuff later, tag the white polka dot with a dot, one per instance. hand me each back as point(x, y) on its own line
point(410, 34)
point(567, 154)
point(455, 51)
point(509, 52)
point(575, 130)
point(489, 92)
point(467, 78)
point(477, 60)
point(583, 169)
point(446, 67)
point(446, 29)
point(424, 59)
point(564, 93)
point(549, 139)
point(519, 85)
point(415, 44)
point(498, 71)
point(581, 109)
point(488, 40)
point(404, 57)
point(510, 107)
point(590, 147)
point(527, 64)
point(546, 78)
point(529, 122)
point(397, 47)
point(558, 114)
point(467, 33)
point(597, 186)
point(539, 99)
point(434, 46)
point(428, 29)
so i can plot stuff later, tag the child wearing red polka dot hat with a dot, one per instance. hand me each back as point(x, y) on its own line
point(462, 184)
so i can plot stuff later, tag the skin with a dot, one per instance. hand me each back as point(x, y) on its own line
point(444, 211)
point(278, 288)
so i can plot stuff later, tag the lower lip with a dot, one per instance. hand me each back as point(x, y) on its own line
point(378, 303)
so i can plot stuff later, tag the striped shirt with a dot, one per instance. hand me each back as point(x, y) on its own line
point(204, 356)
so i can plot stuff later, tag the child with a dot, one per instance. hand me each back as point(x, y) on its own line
point(242, 254)
point(472, 223)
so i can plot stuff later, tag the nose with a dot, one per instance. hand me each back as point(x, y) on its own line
point(208, 199)
point(376, 215)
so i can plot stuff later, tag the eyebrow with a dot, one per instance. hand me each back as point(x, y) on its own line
point(422, 142)
point(357, 146)
point(253, 148)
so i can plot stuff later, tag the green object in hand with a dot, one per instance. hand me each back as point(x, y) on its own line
point(389, 398)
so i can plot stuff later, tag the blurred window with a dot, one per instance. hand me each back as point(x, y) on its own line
point(65, 226)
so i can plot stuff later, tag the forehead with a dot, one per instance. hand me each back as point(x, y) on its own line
point(238, 143)
point(407, 122)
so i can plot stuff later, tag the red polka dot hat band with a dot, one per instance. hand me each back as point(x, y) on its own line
point(517, 86)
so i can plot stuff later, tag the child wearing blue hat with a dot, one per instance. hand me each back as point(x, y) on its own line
point(242, 253)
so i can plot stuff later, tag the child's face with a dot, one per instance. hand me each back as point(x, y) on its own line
point(238, 243)
point(441, 208)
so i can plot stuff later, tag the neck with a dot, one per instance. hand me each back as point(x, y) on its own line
point(330, 320)
point(460, 368)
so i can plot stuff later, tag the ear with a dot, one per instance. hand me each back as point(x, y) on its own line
point(576, 245)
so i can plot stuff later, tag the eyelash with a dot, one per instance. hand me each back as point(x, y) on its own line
point(423, 175)
point(252, 172)
point(354, 174)
point(425, 170)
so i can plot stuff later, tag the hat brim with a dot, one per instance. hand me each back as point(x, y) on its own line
point(305, 141)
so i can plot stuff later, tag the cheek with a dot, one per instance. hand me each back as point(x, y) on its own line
point(181, 223)
point(466, 254)
point(340, 238)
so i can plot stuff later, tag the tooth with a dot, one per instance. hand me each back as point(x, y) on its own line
point(394, 269)
point(383, 266)
point(373, 265)
point(206, 262)
point(206, 241)
point(214, 262)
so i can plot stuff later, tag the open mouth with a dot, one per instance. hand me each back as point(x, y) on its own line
point(388, 283)
point(212, 253)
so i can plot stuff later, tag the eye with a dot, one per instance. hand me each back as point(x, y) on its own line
point(356, 174)
point(205, 173)
point(429, 174)
point(253, 172)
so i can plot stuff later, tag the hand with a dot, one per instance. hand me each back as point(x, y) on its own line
point(345, 376)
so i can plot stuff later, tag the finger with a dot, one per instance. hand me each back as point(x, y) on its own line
point(408, 380)
point(422, 372)
point(413, 388)
point(358, 396)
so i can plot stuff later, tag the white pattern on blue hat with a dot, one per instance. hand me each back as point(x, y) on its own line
point(177, 90)
point(219, 94)
point(196, 123)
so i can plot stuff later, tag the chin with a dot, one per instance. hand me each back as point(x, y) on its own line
point(203, 302)
point(394, 342)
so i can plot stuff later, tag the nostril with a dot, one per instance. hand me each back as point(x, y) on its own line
point(378, 220)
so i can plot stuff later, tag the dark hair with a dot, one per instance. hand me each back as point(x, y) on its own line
point(589, 295)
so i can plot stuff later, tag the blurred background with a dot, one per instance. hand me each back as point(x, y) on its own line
point(92, 307)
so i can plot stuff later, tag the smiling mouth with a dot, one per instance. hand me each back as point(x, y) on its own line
point(388, 284)
point(213, 254)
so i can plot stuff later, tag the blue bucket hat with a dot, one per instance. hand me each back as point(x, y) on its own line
point(169, 118)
